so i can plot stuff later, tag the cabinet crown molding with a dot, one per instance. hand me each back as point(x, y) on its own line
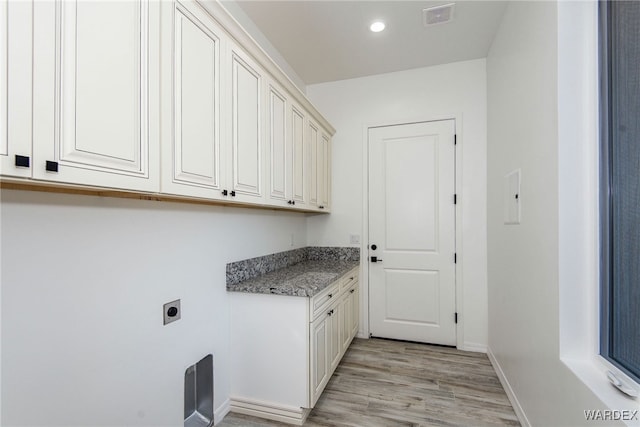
point(220, 14)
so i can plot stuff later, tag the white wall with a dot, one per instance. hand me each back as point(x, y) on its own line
point(83, 283)
point(523, 260)
point(457, 89)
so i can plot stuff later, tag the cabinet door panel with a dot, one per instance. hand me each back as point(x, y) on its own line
point(319, 357)
point(299, 164)
point(246, 140)
point(97, 80)
point(103, 117)
point(197, 101)
point(278, 156)
point(355, 311)
point(313, 169)
point(345, 324)
point(335, 344)
point(323, 171)
point(15, 86)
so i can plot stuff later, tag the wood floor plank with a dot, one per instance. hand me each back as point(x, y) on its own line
point(386, 383)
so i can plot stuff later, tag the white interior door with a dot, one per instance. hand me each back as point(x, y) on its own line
point(412, 226)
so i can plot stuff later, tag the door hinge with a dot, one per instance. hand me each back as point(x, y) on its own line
point(455, 257)
point(455, 315)
point(455, 139)
point(455, 199)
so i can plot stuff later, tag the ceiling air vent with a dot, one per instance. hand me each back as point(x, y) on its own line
point(438, 14)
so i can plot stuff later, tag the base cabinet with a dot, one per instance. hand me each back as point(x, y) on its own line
point(286, 348)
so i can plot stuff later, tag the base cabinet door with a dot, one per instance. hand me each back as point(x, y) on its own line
point(354, 299)
point(345, 321)
point(96, 76)
point(335, 341)
point(320, 330)
point(16, 25)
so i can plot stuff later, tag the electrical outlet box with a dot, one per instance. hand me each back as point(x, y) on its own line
point(354, 239)
point(512, 198)
point(171, 311)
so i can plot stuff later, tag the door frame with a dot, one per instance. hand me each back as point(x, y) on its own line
point(364, 330)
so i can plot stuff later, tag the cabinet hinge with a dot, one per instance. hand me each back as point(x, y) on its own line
point(455, 139)
point(455, 257)
point(455, 315)
point(455, 199)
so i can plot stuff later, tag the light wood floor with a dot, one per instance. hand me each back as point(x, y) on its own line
point(391, 383)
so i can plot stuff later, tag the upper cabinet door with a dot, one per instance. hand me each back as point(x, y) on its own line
point(246, 126)
point(97, 68)
point(324, 171)
point(279, 151)
point(299, 161)
point(191, 162)
point(314, 135)
point(15, 88)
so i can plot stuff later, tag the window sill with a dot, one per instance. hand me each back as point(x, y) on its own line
point(592, 372)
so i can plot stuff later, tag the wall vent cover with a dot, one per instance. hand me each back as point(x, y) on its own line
point(438, 14)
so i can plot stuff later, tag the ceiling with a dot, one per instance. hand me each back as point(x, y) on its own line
point(327, 40)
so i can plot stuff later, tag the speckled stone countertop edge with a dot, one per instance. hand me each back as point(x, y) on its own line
point(304, 279)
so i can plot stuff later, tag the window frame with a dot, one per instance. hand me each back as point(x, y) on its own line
point(605, 183)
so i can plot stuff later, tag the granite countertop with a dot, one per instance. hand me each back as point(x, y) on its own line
point(304, 279)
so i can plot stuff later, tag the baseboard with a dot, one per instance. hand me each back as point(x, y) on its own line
point(221, 412)
point(522, 417)
point(472, 346)
point(270, 411)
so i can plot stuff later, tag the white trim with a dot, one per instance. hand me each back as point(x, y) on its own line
point(475, 347)
point(522, 417)
point(364, 252)
point(222, 411)
point(270, 411)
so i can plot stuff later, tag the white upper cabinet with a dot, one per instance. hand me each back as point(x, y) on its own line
point(191, 150)
point(324, 170)
point(319, 167)
point(313, 133)
point(287, 162)
point(279, 147)
point(155, 97)
point(16, 27)
point(96, 77)
point(246, 106)
point(299, 156)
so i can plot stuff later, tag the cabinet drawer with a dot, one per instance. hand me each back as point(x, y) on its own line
point(349, 279)
point(324, 299)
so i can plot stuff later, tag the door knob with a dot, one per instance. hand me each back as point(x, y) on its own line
point(375, 259)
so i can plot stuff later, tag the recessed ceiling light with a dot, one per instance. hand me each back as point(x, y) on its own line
point(377, 26)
